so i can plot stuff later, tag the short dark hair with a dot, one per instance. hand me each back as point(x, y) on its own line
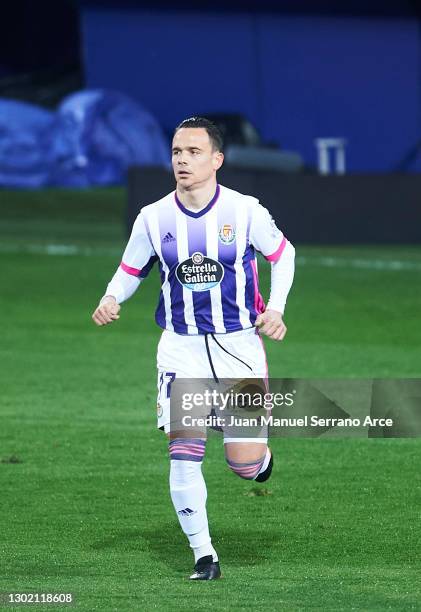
point(213, 130)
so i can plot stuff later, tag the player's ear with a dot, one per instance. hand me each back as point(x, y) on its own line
point(218, 159)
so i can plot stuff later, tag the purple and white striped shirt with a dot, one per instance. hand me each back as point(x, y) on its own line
point(207, 260)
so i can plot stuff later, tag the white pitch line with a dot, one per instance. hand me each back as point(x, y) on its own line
point(393, 265)
point(59, 250)
point(390, 265)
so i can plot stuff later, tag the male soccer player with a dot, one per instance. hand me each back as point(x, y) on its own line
point(204, 237)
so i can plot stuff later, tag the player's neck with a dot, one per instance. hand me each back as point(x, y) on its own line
point(197, 198)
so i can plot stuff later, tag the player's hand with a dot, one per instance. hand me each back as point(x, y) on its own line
point(271, 324)
point(106, 312)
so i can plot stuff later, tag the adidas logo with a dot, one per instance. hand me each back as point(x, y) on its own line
point(168, 238)
point(187, 512)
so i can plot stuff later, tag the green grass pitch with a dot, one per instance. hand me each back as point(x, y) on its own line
point(85, 506)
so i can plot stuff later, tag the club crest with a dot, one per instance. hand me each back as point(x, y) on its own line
point(227, 234)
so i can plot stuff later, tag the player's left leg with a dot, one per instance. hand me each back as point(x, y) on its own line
point(248, 457)
point(251, 460)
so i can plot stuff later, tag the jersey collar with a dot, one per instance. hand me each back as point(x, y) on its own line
point(201, 212)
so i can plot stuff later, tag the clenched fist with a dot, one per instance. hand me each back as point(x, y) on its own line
point(107, 311)
point(270, 323)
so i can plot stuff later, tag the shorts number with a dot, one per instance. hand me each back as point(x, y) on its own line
point(165, 381)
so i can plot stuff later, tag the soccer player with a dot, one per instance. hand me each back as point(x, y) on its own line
point(204, 238)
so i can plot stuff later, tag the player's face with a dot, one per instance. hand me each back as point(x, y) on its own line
point(194, 161)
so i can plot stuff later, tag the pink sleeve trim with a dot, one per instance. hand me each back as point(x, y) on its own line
point(130, 270)
point(276, 255)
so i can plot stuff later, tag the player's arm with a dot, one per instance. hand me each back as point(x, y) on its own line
point(138, 259)
point(276, 249)
point(271, 322)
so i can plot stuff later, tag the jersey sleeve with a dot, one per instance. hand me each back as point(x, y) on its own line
point(282, 276)
point(264, 235)
point(138, 259)
point(139, 255)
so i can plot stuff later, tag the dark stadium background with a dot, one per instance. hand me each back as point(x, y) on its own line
point(83, 472)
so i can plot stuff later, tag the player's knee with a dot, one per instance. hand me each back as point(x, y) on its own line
point(187, 449)
point(249, 470)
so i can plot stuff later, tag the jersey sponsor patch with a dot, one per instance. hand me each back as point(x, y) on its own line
point(199, 273)
point(227, 234)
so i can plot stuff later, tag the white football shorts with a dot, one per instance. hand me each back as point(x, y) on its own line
point(235, 355)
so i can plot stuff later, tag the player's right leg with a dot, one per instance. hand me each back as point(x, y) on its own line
point(178, 358)
point(189, 494)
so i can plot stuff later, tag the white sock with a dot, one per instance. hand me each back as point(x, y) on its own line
point(204, 551)
point(265, 462)
point(188, 494)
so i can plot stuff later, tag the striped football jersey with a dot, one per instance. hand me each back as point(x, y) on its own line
point(207, 260)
